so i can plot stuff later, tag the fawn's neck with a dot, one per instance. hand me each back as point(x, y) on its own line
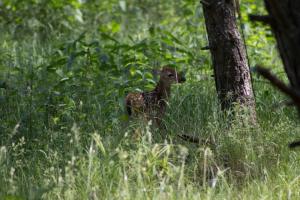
point(163, 90)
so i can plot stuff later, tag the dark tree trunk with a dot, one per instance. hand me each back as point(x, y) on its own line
point(231, 70)
point(284, 18)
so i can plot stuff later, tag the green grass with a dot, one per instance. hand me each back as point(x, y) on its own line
point(66, 161)
point(63, 129)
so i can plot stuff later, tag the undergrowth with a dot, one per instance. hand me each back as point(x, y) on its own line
point(65, 134)
point(89, 158)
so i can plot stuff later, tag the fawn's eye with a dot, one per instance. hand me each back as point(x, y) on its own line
point(170, 75)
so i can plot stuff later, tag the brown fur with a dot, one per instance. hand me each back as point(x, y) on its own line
point(152, 105)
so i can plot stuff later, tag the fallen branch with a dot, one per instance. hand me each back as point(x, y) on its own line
point(197, 140)
point(189, 138)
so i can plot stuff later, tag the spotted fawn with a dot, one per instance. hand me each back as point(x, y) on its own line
point(152, 105)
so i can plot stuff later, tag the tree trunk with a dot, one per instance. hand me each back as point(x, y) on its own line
point(284, 18)
point(231, 70)
point(285, 22)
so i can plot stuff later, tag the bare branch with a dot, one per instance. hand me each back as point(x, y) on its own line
point(294, 144)
point(265, 19)
point(205, 3)
point(279, 84)
point(206, 48)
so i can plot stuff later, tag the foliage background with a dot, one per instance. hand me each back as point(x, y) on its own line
point(65, 67)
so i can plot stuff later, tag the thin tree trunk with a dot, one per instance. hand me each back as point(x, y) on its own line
point(231, 70)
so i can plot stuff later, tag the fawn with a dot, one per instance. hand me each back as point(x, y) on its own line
point(152, 105)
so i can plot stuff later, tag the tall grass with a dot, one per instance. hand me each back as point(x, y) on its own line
point(64, 133)
point(87, 154)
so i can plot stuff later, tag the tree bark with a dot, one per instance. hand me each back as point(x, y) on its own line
point(231, 70)
point(285, 24)
point(284, 18)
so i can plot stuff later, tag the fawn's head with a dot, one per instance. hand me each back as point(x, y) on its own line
point(169, 76)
